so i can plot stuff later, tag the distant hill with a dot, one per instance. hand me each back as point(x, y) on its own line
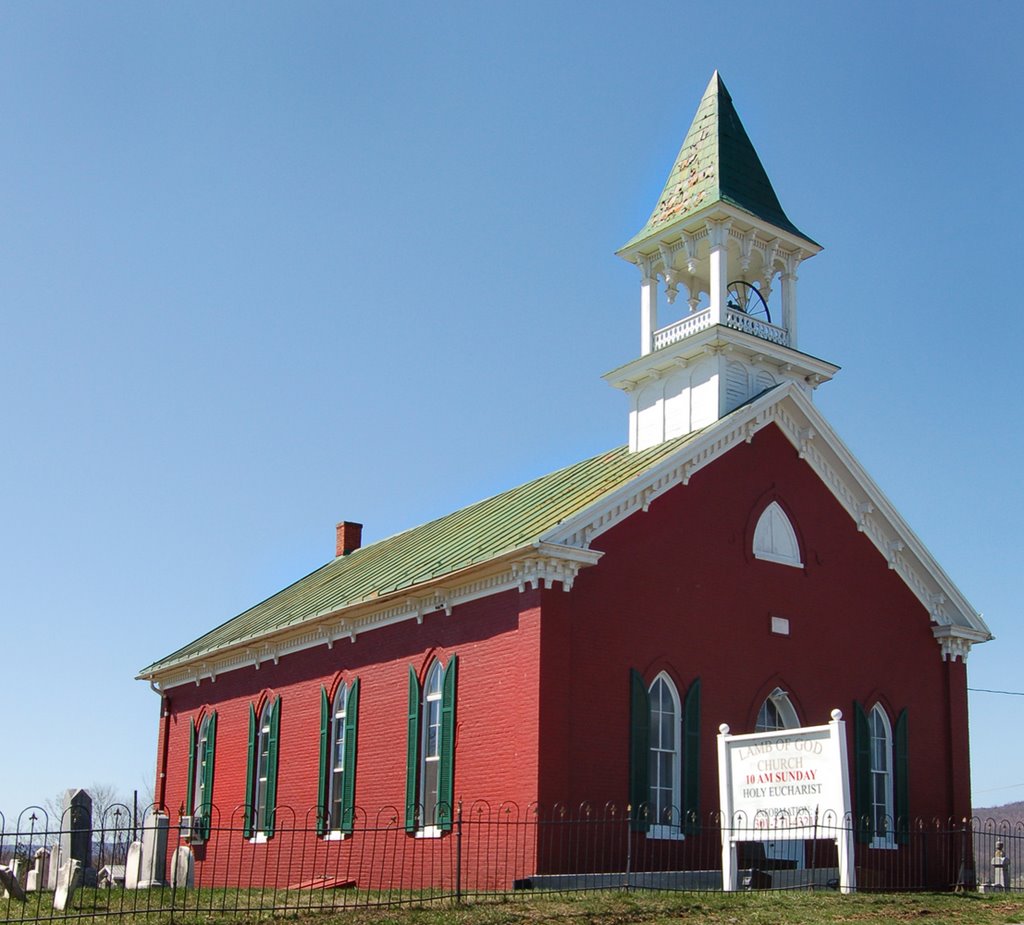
point(1012, 813)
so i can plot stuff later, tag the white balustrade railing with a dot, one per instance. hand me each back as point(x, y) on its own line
point(676, 331)
point(741, 321)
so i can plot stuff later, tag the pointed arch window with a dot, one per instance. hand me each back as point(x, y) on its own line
point(430, 750)
point(775, 539)
point(776, 713)
point(261, 770)
point(338, 729)
point(882, 780)
point(664, 757)
point(199, 795)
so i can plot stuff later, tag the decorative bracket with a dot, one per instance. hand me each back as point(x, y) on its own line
point(892, 550)
point(806, 436)
point(863, 509)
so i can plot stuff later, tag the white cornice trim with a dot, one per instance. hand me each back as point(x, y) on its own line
point(539, 565)
point(559, 554)
point(818, 445)
point(790, 363)
point(956, 641)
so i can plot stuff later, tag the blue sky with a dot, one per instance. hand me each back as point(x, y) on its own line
point(264, 267)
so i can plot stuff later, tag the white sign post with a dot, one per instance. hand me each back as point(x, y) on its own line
point(786, 784)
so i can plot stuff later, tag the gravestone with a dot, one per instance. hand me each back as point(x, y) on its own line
point(9, 885)
point(1000, 869)
point(133, 866)
point(110, 875)
point(17, 869)
point(182, 868)
point(38, 875)
point(76, 828)
point(53, 867)
point(69, 878)
point(154, 851)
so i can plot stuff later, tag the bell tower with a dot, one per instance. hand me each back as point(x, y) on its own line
point(725, 254)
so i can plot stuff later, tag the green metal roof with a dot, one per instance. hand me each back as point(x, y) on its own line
point(504, 523)
point(717, 163)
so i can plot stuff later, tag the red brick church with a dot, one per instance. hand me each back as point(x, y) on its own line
point(582, 637)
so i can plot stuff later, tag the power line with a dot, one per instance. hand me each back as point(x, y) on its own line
point(986, 690)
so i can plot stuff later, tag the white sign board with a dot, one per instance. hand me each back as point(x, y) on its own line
point(786, 784)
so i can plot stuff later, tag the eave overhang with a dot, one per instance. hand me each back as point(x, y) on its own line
point(720, 338)
point(540, 564)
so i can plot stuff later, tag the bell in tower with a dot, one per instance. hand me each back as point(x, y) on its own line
point(724, 253)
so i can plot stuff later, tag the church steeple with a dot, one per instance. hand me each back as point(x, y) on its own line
point(720, 236)
point(717, 163)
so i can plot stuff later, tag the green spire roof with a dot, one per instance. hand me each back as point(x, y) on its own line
point(717, 163)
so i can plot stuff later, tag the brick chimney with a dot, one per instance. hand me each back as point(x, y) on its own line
point(349, 538)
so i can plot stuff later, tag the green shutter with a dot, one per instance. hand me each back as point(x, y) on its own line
point(322, 787)
point(901, 785)
point(862, 774)
point(412, 752)
point(211, 750)
point(445, 774)
point(348, 780)
point(190, 787)
point(275, 725)
point(691, 760)
point(639, 750)
point(249, 812)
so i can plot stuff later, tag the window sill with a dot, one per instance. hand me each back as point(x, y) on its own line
point(883, 844)
point(666, 833)
point(335, 836)
point(429, 831)
point(778, 560)
point(260, 838)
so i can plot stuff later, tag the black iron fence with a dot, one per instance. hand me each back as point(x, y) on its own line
point(165, 865)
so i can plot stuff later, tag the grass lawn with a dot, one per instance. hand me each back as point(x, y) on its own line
point(639, 908)
point(735, 909)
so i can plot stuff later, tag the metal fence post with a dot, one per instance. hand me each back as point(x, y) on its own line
point(458, 852)
point(629, 844)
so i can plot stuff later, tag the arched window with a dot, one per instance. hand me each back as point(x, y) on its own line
point(338, 725)
point(776, 713)
point(261, 779)
point(199, 797)
point(204, 757)
point(665, 757)
point(881, 777)
point(337, 753)
point(775, 539)
point(431, 746)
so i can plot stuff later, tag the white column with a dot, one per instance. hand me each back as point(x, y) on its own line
point(789, 279)
point(718, 238)
point(648, 313)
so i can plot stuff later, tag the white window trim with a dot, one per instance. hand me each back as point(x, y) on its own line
point(428, 696)
point(783, 707)
point(666, 832)
point(766, 546)
point(201, 757)
point(335, 835)
point(885, 842)
point(335, 716)
point(660, 830)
